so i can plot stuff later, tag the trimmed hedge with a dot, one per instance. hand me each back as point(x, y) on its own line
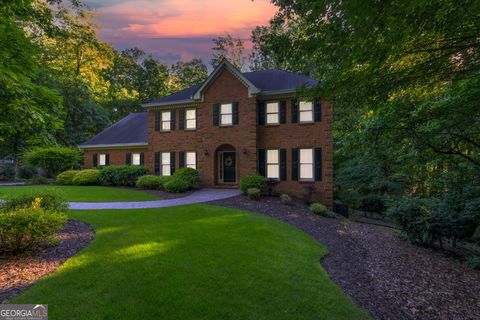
point(253, 181)
point(23, 229)
point(53, 160)
point(66, 177)
point(176, 185)
point(149, 181)
point(254, 193)
point(49, 200)
point(187, 174)
point(122, 175)
point(86, 177)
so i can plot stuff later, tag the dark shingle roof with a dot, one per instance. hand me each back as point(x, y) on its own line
point(265, 80)
point(130, 130)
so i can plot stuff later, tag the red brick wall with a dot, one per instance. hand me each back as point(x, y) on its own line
point(116, 156)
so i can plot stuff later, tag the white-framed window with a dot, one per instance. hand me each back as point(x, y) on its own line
point(102, 159)
point(273, 164)
point(190, 119)
point(166, 164)
point(306, 111)
point(226, 116)
point(306, 164)
point(166, 120)
point(272, 113)
point(191, 160)
point(135, 159)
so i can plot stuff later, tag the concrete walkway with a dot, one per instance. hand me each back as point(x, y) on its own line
point(203, 195)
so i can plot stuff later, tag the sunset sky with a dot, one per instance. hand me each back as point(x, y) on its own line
point(175, 30)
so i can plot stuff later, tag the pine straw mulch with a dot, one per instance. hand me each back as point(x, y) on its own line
point(380, 272)
point(18, 272)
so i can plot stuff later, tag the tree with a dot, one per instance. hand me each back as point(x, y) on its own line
point(231, 49)
point(186, 74)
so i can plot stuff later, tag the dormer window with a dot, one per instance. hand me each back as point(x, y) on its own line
point(226, 114)
point(306, 111)
point(272, 113)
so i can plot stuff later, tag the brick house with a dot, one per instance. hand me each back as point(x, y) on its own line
point(232, 125)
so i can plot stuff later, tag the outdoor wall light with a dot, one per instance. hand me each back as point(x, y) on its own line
point(245, 151)
point(205, 152)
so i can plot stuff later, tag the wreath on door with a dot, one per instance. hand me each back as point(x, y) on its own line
point(228, 161)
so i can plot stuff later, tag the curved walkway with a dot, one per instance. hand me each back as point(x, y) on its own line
point(203, 195)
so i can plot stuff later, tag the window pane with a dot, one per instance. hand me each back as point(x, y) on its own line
point(166, 116)
point(272, 107)
point(273, 171)
point(226, 119)
point(191, 124)
point(306, 156)
point(136, 159)
point(191, 158)
point(272, 118)
point(272, 156)
point(306, 116)
point(305, 106)
point(101, 159)
point(226, 108)
point(166, 158)
point(190, 114)
point(306, 171)
point(165, 170)
point(166, 125)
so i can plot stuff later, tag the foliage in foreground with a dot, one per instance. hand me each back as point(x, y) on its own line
point(50, 201)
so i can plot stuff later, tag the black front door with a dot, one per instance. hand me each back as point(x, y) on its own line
point(229, 166)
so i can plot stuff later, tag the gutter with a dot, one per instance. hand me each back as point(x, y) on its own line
point(114, 145)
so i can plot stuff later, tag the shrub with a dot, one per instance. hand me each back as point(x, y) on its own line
point(285, 199)
point(188, 174)
point(176, 185)
point(40, 180)
point(86, 177)
point(66, 177)
point(318, 208)
point(474, 262)
point(53, 160)
point(122, 175)
point(50, 200)
point(253, 181)
point(373, 203)
point(253, 193)
point(149, 181)
point(23, 229)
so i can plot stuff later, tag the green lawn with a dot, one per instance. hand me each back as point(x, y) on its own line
point(82, 193)
point(192, 262)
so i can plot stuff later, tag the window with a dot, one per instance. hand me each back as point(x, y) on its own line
point(166, 118)
point(135, 159)
point(102, 159)
point(272, 113)
point(306, 164)
point(226, 117)
point(273, 167)
point(190, 119)
point(166, 163)
point(191, 160)
point(306, 111)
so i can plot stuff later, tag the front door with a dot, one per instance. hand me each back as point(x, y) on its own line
point(229, 166)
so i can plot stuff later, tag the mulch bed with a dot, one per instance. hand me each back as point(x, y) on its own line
point(18, 272)
point(383, 274)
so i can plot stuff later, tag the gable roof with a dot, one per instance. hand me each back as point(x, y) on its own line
point(130, 131)
point(263, 82)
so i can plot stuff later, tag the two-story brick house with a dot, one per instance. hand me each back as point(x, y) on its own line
point(232, 125)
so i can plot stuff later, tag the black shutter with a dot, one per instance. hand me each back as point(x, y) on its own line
point(172, 119)
point(295, 164)
point(181, 159)
point(317, 112)
point(261, 113)
point(172, 162)
point(95, 160)
point(283, 111)
point(128, 158)
point(261, 162)
point(235, 112)
point(142, 159)
point(318, 164)
point(157, 120)
point(157, 163)
point(107, 159)
point(294, 111)
point(283, 164)
point(216, 114)
point(181, 119)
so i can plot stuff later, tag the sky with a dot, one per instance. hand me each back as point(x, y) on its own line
point(175, 30)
